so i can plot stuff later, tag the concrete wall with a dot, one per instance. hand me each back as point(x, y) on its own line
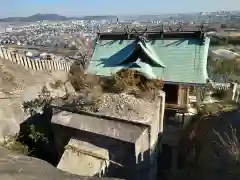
point(147, 147)
point(119, 151)
point(143, 155)
point(37, 65)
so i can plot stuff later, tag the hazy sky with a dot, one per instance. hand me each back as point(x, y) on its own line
point(111, 7)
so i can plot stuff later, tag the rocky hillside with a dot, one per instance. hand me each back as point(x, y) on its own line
point(216, 140)
point(17, 85)
point(18, 167)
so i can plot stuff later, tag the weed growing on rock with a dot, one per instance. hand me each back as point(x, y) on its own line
point(36, 136)
point(37, 105)
point(57, 84)
point(229, 144)
point(13, 143)
point(230, 150)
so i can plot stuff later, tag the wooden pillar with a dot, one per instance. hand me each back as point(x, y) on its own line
point(198, 97)
point(183, 95)
point(179, 95)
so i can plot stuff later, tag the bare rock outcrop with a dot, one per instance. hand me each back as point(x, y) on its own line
point(17, 85)
point(18, 167)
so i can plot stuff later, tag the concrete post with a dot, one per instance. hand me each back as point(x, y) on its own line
point(8, 55)
point(58, 66)
point(25, 61)
point(54, 65)
point(40, 64)
point(232, 91)
point(162, 109)
point(51, 65)
point(21, 60)
point(36, 64)
point(18, 58)
point(44, 64)
point(29, 63)
point(4, 53)
point(1, 52)
point(61, 66)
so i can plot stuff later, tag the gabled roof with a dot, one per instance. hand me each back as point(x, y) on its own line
point(149, 51)
point(176, 58)
point(140, 66)
point(144, 69)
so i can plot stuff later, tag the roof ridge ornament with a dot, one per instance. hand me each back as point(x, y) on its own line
point(177, 30)
point(141, 36)
point(202, 34)
point(127, 31)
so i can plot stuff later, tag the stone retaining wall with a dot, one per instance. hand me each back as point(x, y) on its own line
point(37, 65)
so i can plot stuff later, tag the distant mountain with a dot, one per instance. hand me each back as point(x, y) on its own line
point(50, 17)
point(108, 17)
point(36, 17)
point(54, 17)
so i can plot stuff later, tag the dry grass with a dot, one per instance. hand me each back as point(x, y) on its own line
point(230, 150)
point(229, 144)
point(37, 105)
point(217, 148)
point(216, 108)
point(6, 76)
point(129, 80)
point(87, 85)
point(125, 81)
point(13, 143)
point(91, 89)
point(57, 84)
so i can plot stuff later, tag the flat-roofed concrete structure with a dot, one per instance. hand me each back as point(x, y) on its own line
point(125, 126)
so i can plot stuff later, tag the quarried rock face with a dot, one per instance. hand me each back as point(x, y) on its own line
point(11, 114)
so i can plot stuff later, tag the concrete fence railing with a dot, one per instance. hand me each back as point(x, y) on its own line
point(37, 65)
point(232, 89)
point(234, 92)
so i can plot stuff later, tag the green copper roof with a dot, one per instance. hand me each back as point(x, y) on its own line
point(140, 66)
point(176, 60)
point(151, 53)
point(124, 54)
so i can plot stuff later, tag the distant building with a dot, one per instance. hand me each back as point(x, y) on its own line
point(235, 17)
point(9, 29)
